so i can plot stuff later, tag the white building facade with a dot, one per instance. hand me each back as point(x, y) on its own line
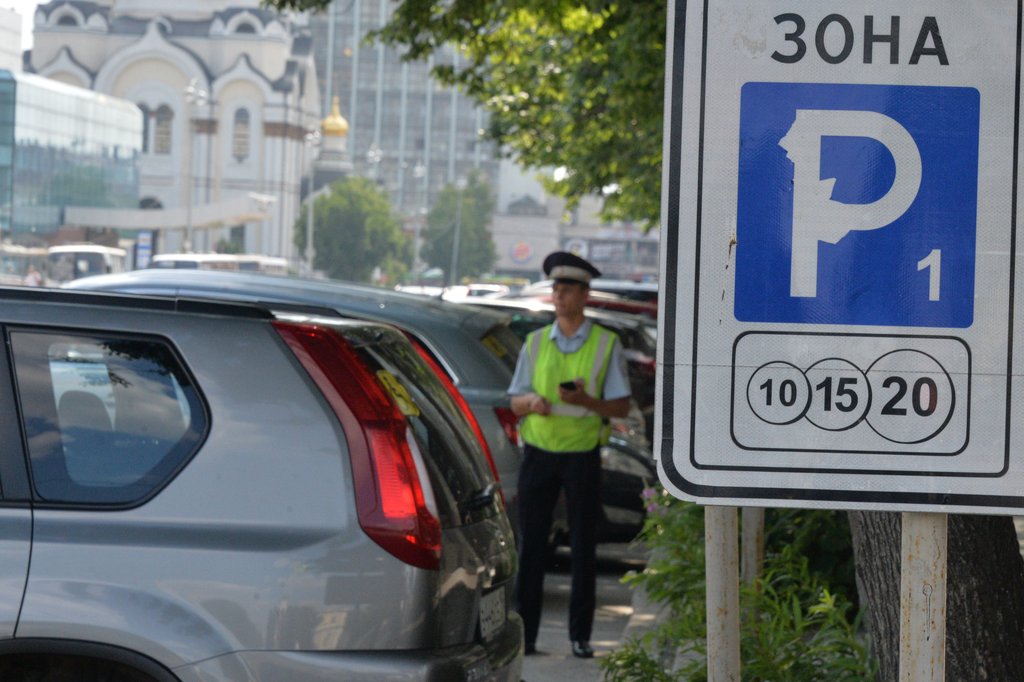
point(228, 93)
point(10, 40)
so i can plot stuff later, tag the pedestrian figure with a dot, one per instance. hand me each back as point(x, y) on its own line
point(569, 380)
point(32, 277)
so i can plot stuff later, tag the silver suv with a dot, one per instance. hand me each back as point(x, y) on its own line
point(474, 347)
point(209, 491)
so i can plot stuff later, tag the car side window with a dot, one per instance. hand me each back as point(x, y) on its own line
point(108, 419)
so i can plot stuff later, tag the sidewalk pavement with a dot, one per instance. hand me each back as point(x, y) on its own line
point(622, 612)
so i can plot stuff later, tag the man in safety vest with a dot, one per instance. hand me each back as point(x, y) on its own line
point(571, 377)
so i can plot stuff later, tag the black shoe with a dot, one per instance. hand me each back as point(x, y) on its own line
point(582, 650)
point(529, 649)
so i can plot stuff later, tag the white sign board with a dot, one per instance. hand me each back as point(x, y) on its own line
point(840, 214)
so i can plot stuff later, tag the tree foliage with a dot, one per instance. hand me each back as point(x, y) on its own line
point(471, 208)
point(355, 231)
point(797, 624)
point(568, 83)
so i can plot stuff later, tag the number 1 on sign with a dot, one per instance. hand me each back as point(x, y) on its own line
point(933, 261)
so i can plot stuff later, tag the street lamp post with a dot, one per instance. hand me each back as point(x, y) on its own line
point(460, 185)
point(312, 141)
point(194, 96)
point(419, 171)
point(373, 157)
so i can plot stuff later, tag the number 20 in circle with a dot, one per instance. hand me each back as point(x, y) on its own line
point(915, 396)
point(778, 393)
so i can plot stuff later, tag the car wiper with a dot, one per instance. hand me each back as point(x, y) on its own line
point(481, 498)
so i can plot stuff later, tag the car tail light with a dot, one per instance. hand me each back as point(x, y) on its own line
point(645, 363)
point(393, 496)
point(460, 400)
point(509, 423)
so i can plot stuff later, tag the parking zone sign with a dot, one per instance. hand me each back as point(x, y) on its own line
point(839, 222)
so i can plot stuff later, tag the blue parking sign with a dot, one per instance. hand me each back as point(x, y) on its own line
point(857, 204)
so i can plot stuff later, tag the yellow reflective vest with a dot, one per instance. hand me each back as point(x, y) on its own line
point(569, 428)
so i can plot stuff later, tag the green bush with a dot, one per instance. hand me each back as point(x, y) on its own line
point(823, 536)
point(796, 627)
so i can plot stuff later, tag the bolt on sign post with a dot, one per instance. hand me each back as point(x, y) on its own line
point(838, 246)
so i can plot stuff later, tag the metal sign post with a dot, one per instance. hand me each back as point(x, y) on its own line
point(923, 598)
point(721, 559)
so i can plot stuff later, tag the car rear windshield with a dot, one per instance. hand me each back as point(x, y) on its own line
point(522, 324)
point(457, 466)
point(503, 344)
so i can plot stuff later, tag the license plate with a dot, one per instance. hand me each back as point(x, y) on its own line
point(492, 613)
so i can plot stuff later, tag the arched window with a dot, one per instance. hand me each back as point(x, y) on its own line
point(67, 20)
point(145, 128)
point(245, 27)
point(162, 136)
point(240, 135)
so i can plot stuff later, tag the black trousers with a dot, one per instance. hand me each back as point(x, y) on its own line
point(541, 477)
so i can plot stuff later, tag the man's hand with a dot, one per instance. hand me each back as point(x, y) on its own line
point(540, 405)
point(574, 396)
point(618, 407)
point(530, 403)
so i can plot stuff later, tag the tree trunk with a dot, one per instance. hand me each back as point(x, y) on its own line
point(985, 587)
point(876, 553)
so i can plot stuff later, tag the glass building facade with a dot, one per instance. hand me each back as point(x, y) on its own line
point(62, 146)
point(407, 131)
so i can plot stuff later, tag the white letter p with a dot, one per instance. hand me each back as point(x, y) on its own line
point(816, 216)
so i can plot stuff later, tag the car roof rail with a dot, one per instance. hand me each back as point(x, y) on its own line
point(183, 304)
point(300, 308)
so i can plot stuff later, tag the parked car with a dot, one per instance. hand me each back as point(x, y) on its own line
point(627, 468)
point(627, 463)
point(618, 300)
point(200, 491)
point(474, 347)
point(460, 292)
point(636, 335)
point(627, 288)
point(477, 348)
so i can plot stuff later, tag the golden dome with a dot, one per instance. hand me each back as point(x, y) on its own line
point(335, 124)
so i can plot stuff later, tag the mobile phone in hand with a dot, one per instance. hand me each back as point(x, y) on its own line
point(568, 385)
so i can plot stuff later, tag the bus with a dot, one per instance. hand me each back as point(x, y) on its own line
point(247, 262)
point(273, 265)
point(194, 261)
point(72, 261)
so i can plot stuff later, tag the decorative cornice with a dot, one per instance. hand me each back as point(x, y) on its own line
point(66, 60)
point(83, 8)
point(154, 42)
point(287, 130)
point(243, 68)
point(205, 126)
